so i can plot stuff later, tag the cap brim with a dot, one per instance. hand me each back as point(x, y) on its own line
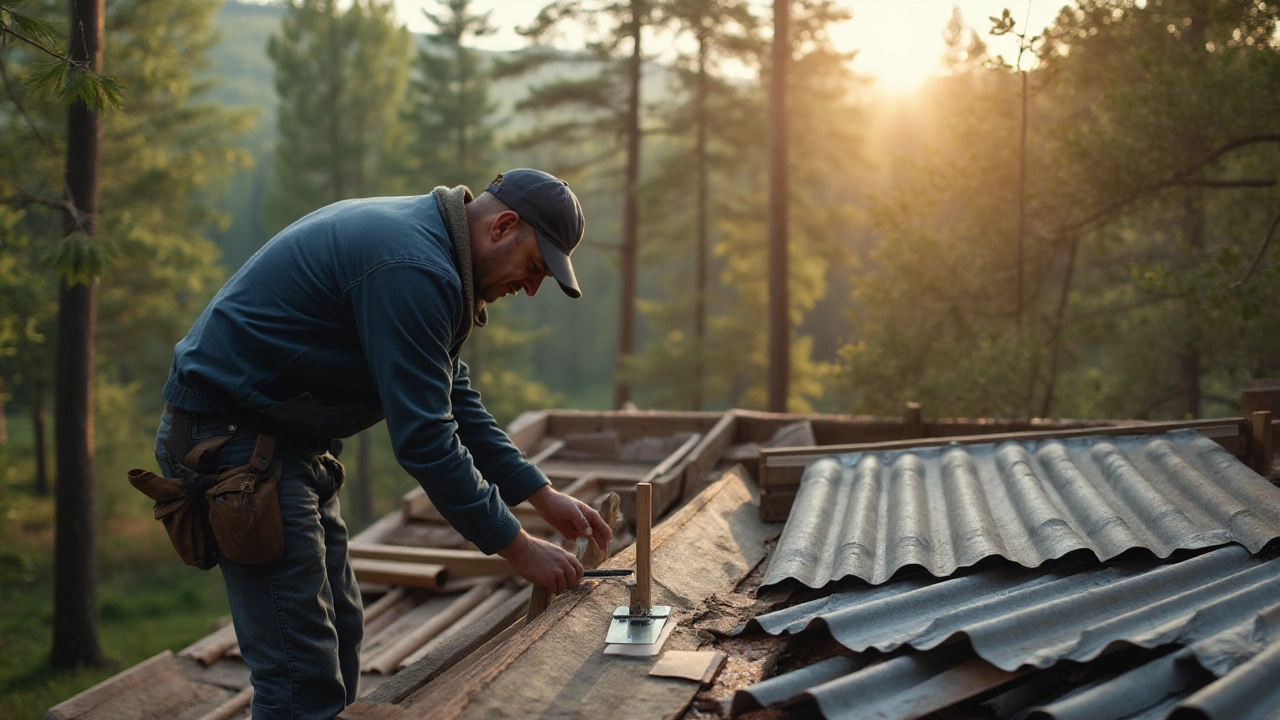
point(561, 269)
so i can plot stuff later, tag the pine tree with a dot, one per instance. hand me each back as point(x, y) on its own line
point(595, 121)
point(340, 76)
point(449, 114)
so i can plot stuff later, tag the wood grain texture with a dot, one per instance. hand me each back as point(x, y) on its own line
point(644, 548)
point(708, 546)
point(151, 689)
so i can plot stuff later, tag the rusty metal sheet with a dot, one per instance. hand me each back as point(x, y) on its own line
point(873, 515)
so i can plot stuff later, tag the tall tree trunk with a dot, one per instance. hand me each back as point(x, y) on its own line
point(703, 219)
point(75, 591)
point(39, 420)
point(630, 216)
point(779, 186)
point(4, 419)
point(1059, 318)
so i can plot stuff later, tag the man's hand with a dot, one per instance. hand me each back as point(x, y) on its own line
point(542, 563)
point(571, 517)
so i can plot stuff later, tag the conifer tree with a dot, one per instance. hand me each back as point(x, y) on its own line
point(595, 121)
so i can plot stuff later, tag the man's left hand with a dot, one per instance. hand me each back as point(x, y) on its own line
point(571, 517)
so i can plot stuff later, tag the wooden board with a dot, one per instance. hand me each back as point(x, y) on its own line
point(154, 688)
point(392, 572)
point(706, 547)
point(457, 563)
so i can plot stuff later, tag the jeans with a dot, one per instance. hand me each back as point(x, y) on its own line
point(299, 621)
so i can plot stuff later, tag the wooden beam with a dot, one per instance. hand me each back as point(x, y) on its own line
point(450, 652)
point(455, 562)
point(644, 550)
point(1260, 442)
point(393, 572)
point(912, 421)
point(157, 685)
point(389, 659)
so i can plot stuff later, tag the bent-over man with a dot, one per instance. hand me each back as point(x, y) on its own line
point(356, 313)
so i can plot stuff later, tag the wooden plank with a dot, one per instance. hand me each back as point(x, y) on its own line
point(393, 572)
point(792, 457)
point(387, 615)
point(912, 421)
point(381, 529)
point(389, 659)
point(449, 653)
point(208, 649)
point(706, 454)
point(528, 430)
point(231, 708)
point(644, 550)
point(563, 648)
point(1260, 442)
point(455, 562)
point(382, 604)
point(477, 613)
point(151, 689)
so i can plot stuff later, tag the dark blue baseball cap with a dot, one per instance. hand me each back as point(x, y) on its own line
point(546, 202)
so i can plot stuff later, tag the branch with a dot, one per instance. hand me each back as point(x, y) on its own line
point(27, 199)
point(1257, 259)
point(1228, 184)
point(1174, 179)
point(13, 97)
point(56, 55)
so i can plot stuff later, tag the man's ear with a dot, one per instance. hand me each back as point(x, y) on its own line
point(505, 223)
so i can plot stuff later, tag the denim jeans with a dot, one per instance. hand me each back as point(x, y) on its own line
point(299, 621)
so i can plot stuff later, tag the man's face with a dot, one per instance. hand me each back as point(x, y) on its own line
point(509, 261)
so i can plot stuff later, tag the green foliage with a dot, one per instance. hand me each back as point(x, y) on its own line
point(70, 81)
point(448, 115)
point(824, 144)
point(1136, 243)
point(340, 75)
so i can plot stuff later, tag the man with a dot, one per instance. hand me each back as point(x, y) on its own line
point(354, 313)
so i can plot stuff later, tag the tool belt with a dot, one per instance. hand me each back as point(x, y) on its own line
point(234, 514)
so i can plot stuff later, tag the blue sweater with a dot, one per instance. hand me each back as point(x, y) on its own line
point(354, 313)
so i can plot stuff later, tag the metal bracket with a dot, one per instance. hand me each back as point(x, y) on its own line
point(628, 628)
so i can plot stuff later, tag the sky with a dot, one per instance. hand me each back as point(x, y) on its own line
point(899, 41)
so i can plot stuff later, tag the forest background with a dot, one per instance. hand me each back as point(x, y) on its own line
point(1113, 257)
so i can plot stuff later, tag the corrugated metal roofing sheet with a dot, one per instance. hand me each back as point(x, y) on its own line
point(1221, 607)
point(869, 515)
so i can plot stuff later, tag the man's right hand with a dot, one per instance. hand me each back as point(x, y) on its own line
point(542, 563)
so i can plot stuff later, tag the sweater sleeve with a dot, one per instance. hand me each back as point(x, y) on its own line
point(406, 313)
point(497, 458)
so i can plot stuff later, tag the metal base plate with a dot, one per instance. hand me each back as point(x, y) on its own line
point(628, 629)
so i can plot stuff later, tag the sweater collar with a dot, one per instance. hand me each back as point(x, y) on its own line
point(453, 208)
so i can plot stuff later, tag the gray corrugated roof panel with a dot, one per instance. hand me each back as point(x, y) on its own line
point(1014, 617)
point(1199, 635)
point(870, 515)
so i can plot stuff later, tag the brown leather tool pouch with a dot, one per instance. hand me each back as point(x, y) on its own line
point(234, 514)
point(244, 508)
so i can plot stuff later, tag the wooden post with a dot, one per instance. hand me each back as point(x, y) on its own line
point(644, 524)
point(912, 421)
point(1260, 450)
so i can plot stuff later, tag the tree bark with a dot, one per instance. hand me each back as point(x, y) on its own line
point(630, 217)
point(703, 220)
point(75, 591)
point(39, 421)
point(779, 186)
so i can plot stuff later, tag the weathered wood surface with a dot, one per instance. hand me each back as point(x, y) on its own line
point(706, 547)
point(212, 646)
point(463, 563)
point(451, 652)
point(393, 572)
point(155, 688)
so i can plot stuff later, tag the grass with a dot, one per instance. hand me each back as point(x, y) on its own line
point(148, 601)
